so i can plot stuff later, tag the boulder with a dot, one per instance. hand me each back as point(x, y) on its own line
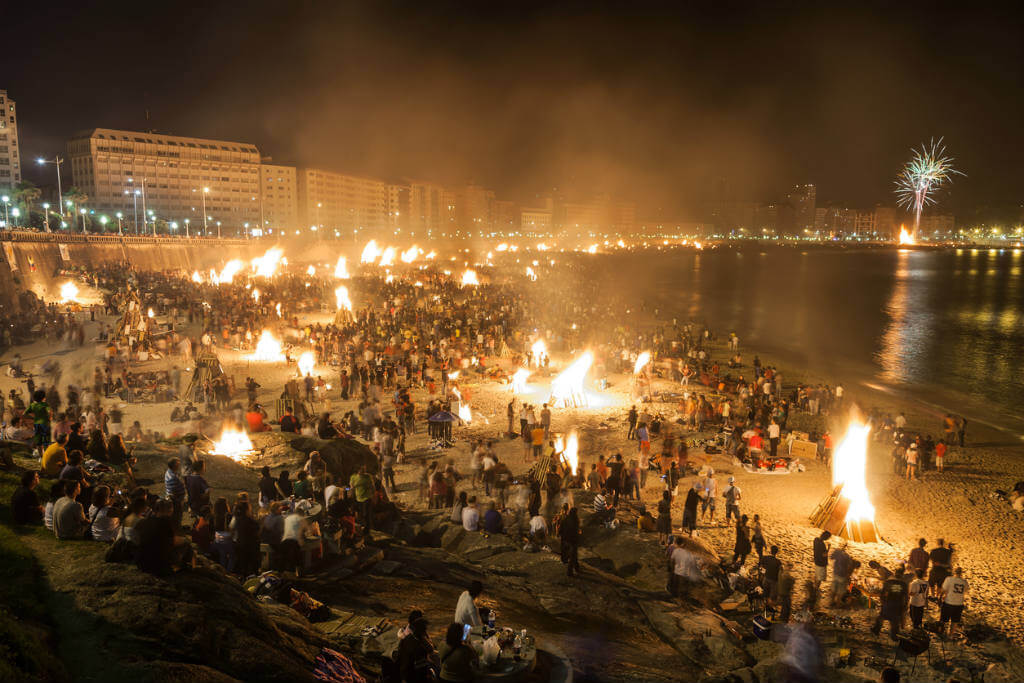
point(452, 538)
point(283, 450)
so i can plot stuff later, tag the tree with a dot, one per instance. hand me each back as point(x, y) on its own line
point(77, 198)
point(25, 193)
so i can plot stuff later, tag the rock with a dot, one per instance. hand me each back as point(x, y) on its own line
point(679, 627)
point(283, 450)
point(476, 547)
point(452, 537)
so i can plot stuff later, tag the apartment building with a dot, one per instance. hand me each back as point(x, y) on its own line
point(10, 155)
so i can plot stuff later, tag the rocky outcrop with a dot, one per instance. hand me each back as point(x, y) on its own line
point(281, 450)
point(196, 625)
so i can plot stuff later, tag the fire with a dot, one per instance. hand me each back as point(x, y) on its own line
point(592, 249)
point(306, 363)
point(501, 247)
point(621, 244)
point(849, 463)
point(227, 273)
point(411, 254)
point(542, 247)
point(266, 265)
point(341, 270)
point(388, 257)
point(642, 360)
point(267, 348)
point(370, 252)
point(906, 237)
point(465, 414)
point(470, 278)
point(519, 381)
point(341, 294)
point(539, 349)
point(570, 450)
point(277, 307)
point(431, 256)
point(454, 374)
point(311, 270)
point(233, 444)
point(196, 277)
point(389, 279)
point(567, 388)
point(256, 295)
point(68, 292)
point(698, 245)
point(531, 274)
point(149, 313)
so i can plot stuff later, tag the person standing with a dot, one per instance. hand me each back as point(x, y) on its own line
point(731, 496)
point(893, 607)
point(742, 546)
point(710, 496)
point(633, 417)
point(664, 523)
point(174, 489)
point(39, 409)
point(820, 551)
point(569, 533)
point(918, 598)
point(954, 590)
point(784, 592)
point(774, 434)
point(690, 508)
point(545, 421)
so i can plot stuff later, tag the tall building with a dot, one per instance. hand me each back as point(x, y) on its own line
point(424, 208)
point(506, 216)
point(801, 201)
point(10, 156)
point(473, 210)
point(888, 220)
point(279, 197)
point(172, 175)
point(346, 204)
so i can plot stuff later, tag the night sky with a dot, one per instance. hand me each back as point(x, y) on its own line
point(661, 103)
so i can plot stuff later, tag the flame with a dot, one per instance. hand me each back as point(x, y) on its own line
point(388, 257)
point(592, 249)
point(267, 348)
point(431, 256)
point(149, 313)
point(370, 252)
point(501, 247)
point(227, 274)
point(68, 292)
point(341, 270)
point(465, 414)
point(849, 463)
point(306, 363)
point(570, 450)
point(641, 360)
point(621, 244)
point(311, 270)
point(519, 381)
point(256, 295)
point(454, 374)
point(698, 245)
point(233, 444)
point(341, 294)
point(266, 265)
point(531, 274)
point(470, 278)
point(539, 349)
point(411, 254)
point(542, 247)
point(389, 279)
point(906, 237)
point(567, 388)
point(196, 277)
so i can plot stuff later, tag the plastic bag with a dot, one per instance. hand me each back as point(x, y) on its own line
point(491, 650)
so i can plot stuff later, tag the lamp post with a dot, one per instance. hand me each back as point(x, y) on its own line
point(15, 212)
point(186, 227)
point(103, 222)
point(218, 229)
point(56, 161)
point(206, 191)
point(7, 219)
point(82, 212)
point(151, 215)
point(46, 216)
point(119, 215)
point(173, 225)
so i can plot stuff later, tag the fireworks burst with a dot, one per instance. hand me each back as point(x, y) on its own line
point(927, 170)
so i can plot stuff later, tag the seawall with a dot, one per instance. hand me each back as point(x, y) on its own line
point(33, 261)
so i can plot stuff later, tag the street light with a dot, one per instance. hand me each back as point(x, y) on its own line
point(16, 212)
point(186, 227)
point(103, 222)
point(46, 216)
point(7, 219)
point(56, 161)
point(206, 191)
point(218, 229)
point(82, 211)
point(119, 217)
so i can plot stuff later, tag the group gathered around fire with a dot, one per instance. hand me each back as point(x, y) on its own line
point(425, 338)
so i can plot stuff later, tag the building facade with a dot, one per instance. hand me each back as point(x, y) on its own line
point(345, 204)
point(10, 154)
point(171, 176)
point(802, 199)
point(279, 197)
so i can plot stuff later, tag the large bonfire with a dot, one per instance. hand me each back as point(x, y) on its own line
point(847, 511)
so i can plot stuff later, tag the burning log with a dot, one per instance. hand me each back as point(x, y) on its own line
point(847, 511)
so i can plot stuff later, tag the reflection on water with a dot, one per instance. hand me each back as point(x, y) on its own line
point(945, 322)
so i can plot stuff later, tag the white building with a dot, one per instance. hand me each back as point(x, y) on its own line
point(10, 155)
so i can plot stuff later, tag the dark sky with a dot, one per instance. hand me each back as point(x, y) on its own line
point(658, 101)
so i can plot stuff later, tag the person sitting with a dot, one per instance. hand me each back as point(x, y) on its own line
point(116, 450)
point(160, 549)
point(471, 516)
point(324, 428)
point(289, 423)
point(55, 457)
point(417, 658)
point(196, 488)
point(493, 522)
point(457, 658)
point(105, 519)
point(69, 520)
point(303, 487)
point(97, 448)
point(603, 512)
point(466, 611)
point(25, 505)
point(56, 493)
point(256, 419)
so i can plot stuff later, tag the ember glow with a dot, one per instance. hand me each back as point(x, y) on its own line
point(567, 389)
point(470, 278)
point(233, 444)
point(642, 360)
point(341, 270)
point(519, 381)
point(341, 295)
point(68, 292)
point(268, 348)
point(266, 265)
point(849, 464)
point(307, 361)
point(371, 252)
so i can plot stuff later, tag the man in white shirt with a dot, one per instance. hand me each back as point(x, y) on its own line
point(471, 516)
point(330, 491)
point(710, 496)
point(732, 495)
point(918, 598)
point(539, 528)
point(466, 611)
point(684, 566)
point(774, 433)
point(954, 589)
